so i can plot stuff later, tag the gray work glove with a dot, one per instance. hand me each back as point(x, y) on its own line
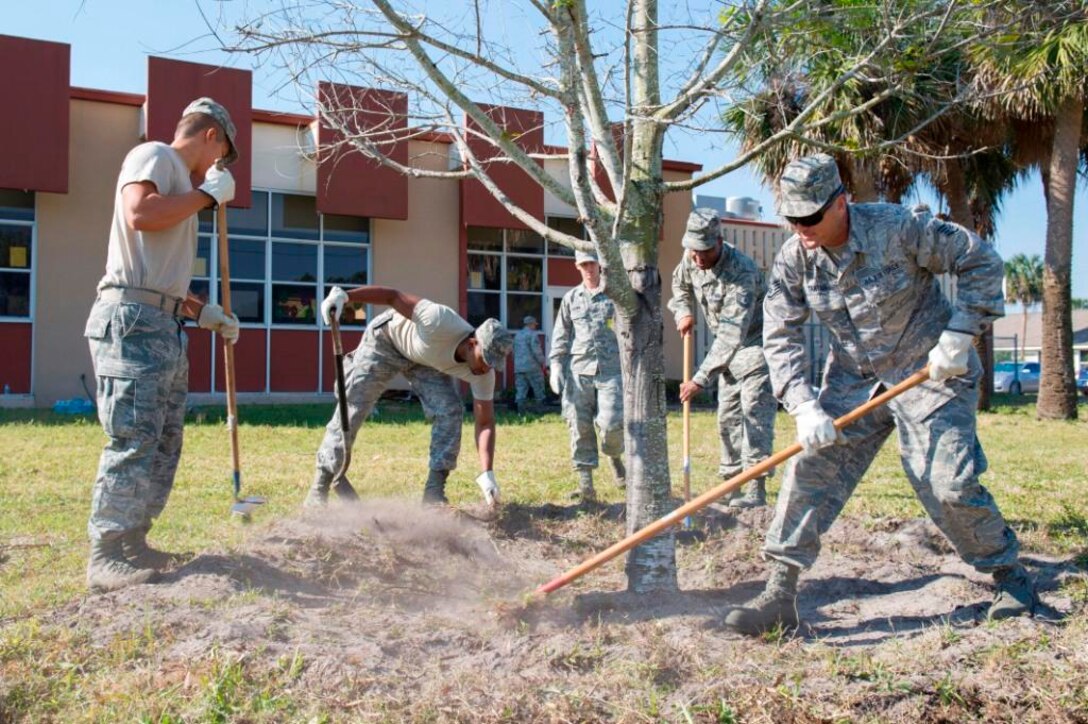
point(219, 184)
point(949, 357)
point(333, 305)
point(212, 317)
point(815, 428)
point(555, 379)
point(489, 487)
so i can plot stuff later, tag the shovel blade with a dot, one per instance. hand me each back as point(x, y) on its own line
point(244, 507)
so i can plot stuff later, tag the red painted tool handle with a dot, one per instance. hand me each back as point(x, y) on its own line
point(728, 486)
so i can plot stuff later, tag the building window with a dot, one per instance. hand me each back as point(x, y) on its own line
point(16, 246)
point(506, 275)
point(284, 258)
point(570, 227)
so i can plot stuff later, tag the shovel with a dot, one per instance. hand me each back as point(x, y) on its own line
point(242, 507)
point(761, 468)
point(342, 487)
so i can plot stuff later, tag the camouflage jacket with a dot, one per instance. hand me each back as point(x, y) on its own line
point(582, 334)
point(527, 353)
point(883, 306)
point(731, 298)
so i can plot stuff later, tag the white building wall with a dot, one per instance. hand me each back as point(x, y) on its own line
point(283, 159)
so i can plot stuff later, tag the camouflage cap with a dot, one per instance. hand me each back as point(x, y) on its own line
point(210, 108)
point(703, 231)
point(527, 320)
point(807, 184)
point(580, 257)
point(495, 340)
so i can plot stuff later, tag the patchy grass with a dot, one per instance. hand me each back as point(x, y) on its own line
point(57, 662)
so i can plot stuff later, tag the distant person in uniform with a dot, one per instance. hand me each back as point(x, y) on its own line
point(586, 374)
point(529, 363)
point(728, 288)
point(867, 271)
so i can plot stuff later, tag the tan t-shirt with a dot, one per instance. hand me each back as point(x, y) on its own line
point(158, 260)
point(431, 337)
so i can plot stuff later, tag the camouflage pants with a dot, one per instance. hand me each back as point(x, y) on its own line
point(522, 381)
point(942, 458)
point(142, 377)
point(590, 402)
point(368, 371)
point(746, 410)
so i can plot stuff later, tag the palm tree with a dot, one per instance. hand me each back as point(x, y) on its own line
point(1041, 72)
point(1024, 284)
point(961, 152)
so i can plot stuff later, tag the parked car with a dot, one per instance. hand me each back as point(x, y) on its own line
point(1016, 378)
point(1082, 380)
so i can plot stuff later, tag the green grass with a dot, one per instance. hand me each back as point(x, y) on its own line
point(1037, 473)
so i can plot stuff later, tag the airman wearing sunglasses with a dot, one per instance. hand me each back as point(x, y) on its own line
point(868, 273)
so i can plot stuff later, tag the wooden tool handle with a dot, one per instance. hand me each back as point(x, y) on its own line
point(688, 344)
point(728, 486)
point(228, 348)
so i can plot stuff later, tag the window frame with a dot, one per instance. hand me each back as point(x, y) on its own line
point(32, 264)
point(504, 291)
point(269, 240)
point(267, 325)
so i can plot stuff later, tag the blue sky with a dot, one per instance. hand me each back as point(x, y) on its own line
point(111, 40)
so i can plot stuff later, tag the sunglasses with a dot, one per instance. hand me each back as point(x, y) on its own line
point(816, 218)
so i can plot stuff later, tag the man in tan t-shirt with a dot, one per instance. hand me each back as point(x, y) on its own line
point(431, 345)
point(137, 343)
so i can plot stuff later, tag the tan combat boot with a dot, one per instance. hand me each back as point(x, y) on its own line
point(109, 570)
point(140, 554)
point(1015, 593)
point(585, 491)
point(619, 471)
point(754, 495)
point(434, 491)
point(318, 495)
point(775, 607)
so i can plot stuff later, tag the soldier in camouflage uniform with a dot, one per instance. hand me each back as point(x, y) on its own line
point(432, 346)
point(585, 372)
point(528, 363)
point(728, 287)
point(136, 339)
point(867, 271)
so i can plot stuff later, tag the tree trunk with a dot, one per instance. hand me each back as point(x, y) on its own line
point(959, 206)
point(863, 180)
point(652, 565)
point(1057, 386)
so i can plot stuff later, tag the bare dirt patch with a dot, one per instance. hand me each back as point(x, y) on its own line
point(390, 611)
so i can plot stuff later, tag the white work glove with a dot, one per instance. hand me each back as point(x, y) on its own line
point(219, 184)
point(489, 487)
point(815, 428)
point(555, 379)
point(949, 357)
point(212, 317)
point(333, 305)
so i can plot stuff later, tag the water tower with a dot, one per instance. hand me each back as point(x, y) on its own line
point(744, 207)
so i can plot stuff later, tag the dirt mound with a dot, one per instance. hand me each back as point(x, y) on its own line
point(392, 608)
